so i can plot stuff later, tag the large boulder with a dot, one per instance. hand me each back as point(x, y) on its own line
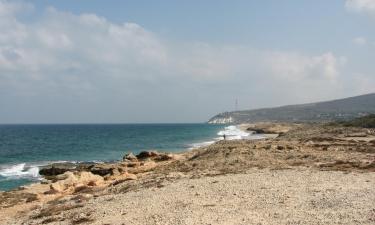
point(54, 169)
point(154, 155)
point(57, 169)
point(73, 180)
point(106, 169)
point(147, 154)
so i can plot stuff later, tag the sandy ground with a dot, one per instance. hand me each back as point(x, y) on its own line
point(297, 196)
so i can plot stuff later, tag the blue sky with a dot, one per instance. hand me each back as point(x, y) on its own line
point(178, 61)
point(269, 23)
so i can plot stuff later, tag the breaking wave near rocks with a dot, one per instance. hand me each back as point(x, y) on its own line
point(19, 171)
point(231, 133)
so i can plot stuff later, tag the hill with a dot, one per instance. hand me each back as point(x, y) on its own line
point(341, 109)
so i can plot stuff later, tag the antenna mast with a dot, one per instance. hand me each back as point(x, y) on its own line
point(236, 105)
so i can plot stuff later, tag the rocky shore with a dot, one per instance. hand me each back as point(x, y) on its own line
point(302, 174)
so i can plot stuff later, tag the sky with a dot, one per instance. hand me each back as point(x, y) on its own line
point(94, 61)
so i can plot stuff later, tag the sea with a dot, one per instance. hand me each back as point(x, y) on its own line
point(25, 148)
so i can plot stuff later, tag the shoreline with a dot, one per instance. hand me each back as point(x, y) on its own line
point(24, 172)
point(31, 169)
point(302, 155)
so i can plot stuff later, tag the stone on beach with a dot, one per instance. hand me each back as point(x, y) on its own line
point(106, 169)
point(73, 180)
point(57, 169)
point(154, 155)
point(147, 154)
point(130, 157)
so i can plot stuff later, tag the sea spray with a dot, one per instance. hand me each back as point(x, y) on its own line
point(19, 171)
point(233, 133)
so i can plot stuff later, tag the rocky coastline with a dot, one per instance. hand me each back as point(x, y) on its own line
point(293, 153)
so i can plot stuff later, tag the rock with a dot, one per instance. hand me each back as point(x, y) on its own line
point(270, 128)
point(144, 167)
point(63, 176)
point(147, 154)
point(280, 147)
point(51, 171)
point(104, 169)
point(164, 157)
point(67, 179)
point(56, 187)
point(81, 188)
point(124, 177)
point(72, 181)
point(131, 164)
point(127, 176)
point(256, 130)
point(57, 169)
point(154, 155)
point(130, 157)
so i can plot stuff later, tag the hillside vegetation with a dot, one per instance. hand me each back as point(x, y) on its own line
point(342, 109)
point(365, 122)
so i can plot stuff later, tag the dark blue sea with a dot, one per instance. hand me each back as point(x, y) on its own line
point(23, 148)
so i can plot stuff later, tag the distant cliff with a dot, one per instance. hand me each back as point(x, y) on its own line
point(341, 109)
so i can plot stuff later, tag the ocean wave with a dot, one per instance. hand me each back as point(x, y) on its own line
point(21, 170)
point(233, 133)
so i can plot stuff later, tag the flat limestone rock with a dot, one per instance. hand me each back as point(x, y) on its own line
point(73, 180)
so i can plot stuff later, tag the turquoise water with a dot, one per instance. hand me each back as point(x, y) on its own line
point(25, 147)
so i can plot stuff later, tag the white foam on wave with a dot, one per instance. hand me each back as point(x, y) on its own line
point(233, 133)
point(26, 170)
point(20, 171)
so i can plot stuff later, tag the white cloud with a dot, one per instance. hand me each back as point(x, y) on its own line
point(7, 8)
point(91, 48)
point(87, 46)
point(366, 6)
point(361, 41)
point(299, 67)
point(124, 67)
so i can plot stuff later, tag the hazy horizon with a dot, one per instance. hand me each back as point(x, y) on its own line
point(95, 62)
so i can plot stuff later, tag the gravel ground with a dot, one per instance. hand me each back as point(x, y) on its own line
point(261, 196)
